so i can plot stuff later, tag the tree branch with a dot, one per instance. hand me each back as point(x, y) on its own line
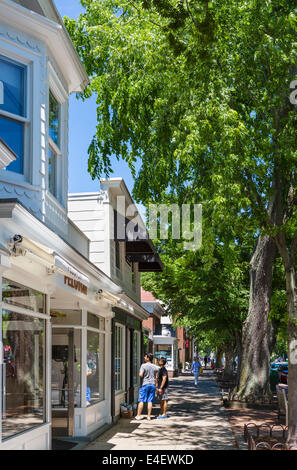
point(138, 10)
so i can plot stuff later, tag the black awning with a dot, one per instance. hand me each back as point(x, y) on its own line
point(139, 246)
point(147, 263)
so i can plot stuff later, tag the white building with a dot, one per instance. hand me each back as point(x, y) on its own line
point(56, 305)
point(101, 216)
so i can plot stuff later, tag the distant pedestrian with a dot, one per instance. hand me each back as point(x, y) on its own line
point(162, 383)
point(205, 361)
point(196, 370)
point(147, 390)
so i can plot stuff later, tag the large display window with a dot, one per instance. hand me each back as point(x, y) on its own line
point(136, 357)
point(23, 371)
point(95, 367)
point(163, 350)
point(119, 357)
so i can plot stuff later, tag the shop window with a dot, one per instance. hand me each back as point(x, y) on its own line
point(164, 350)
point(60, 351)
point(119, 359)
point(23, 399)
point(12, 109)
point(66, 317)
point(95, 367)
point(136, 357)
point(96, 321)
point(21, 296)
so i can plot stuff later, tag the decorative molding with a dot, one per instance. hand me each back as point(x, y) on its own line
point(19, 38)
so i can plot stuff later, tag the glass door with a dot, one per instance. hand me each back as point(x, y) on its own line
point(63, 358)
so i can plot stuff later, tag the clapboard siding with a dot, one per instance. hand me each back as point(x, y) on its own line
point(87, 215)
point(95, 219)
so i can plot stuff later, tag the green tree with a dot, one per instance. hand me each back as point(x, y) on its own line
point(199, 92)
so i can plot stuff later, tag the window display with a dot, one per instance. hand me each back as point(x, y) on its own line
point(95, 367)
point(119, 332)
point(21, 296)
point(22, 373)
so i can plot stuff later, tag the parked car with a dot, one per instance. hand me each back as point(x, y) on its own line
point(283, 373)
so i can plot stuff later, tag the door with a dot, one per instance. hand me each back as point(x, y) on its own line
point(62, 382)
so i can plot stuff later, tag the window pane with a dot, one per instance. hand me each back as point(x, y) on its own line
point(118, 357)
point(21, 296)
point(60, 351)
point(12, 78)
point(164, 350)
point(52, 164)
point(95, 367)
point(136, 354)
point(22, 377)
point(54, 119)
point(66, 317)
point(93, 320)
point(12, 132)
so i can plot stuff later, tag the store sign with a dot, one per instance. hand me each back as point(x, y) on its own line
point(77, 285)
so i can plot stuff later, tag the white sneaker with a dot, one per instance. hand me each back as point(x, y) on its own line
point(149, 418)
point(138, 417)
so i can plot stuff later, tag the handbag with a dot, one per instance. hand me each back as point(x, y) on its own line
point(201, 370)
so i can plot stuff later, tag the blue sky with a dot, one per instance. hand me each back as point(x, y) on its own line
point(82, 125)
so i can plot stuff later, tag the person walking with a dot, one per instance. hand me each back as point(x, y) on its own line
point(162, 383)
point(196, 370)
point(205, 361)
point(147, 391)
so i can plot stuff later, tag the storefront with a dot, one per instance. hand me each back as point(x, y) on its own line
point(167, 346)
point(25, 336)
point(127, 356)
point(56, 315)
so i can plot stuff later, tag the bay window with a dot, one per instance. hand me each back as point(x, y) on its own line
point(13, 109)
point(54, 152)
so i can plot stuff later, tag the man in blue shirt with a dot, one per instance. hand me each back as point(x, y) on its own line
point(195, 369)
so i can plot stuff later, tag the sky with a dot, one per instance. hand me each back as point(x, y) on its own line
point(82, 126)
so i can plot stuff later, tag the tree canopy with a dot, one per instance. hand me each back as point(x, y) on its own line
point(199, 93)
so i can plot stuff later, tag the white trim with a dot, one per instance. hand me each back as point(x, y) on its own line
point(23, 311)
point(56, 86)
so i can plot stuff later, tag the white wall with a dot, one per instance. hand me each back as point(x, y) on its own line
point(93, 214)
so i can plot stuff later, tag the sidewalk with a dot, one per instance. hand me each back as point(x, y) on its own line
point(196, 421)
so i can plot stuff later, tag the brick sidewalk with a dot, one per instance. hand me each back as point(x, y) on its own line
point(196, 421)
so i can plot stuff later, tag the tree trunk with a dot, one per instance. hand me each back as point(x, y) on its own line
point(292, 356)
point(219, 355)
point(229, 357)
point(255, 363)
point(239, 354)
